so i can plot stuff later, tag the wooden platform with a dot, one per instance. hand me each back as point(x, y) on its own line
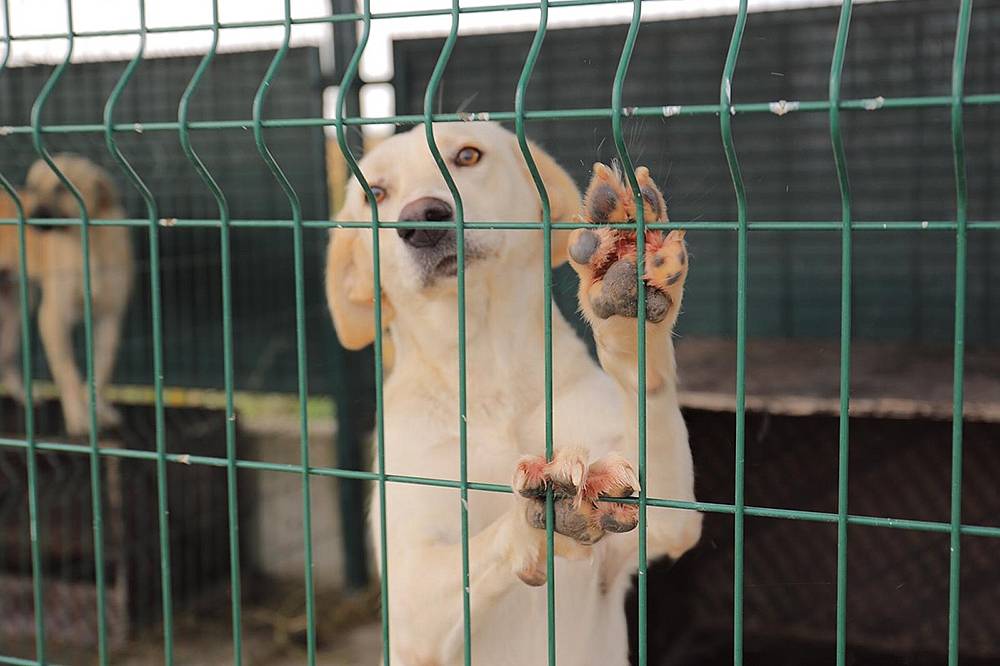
point(802, 378)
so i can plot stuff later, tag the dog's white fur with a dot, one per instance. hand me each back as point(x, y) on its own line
point(592, 408)
point(55, 264)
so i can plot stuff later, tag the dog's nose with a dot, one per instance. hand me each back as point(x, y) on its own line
point(425, 209)
point(42, 212)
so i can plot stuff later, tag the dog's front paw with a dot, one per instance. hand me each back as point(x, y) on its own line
point(10, 380)
point(605, 257)
point(579, 490)
point(107, 415)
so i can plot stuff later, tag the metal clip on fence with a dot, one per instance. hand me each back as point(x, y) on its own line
point(350, 73)
point(300, 326)
point(463, 443)
point(522, 141)
point(725, 111)
point(96, 494)
point(227, 329)
point(156, 316)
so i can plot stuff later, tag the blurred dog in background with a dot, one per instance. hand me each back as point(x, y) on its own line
point(55, 266)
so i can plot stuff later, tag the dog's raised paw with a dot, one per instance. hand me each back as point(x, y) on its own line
point(579, 490)
point(605, 257)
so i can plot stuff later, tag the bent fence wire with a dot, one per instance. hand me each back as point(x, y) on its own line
point(727, 110)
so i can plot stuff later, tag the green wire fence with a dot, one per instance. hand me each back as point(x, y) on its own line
point(727, 110)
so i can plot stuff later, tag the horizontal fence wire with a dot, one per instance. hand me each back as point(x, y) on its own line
point(706, 225)
point(778, 108)
point(710, 507)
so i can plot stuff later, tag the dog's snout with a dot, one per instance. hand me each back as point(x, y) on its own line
point(425, 209)
point(42, 212)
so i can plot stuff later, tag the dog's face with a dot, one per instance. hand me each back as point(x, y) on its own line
point(47, 197)
point(420, 264)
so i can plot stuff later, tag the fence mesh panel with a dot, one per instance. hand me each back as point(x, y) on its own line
point(827, 107)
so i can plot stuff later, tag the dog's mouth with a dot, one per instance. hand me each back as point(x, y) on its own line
point(447, 266)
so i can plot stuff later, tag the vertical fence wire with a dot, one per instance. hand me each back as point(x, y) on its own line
point(726, 112)
point(96, 492)
point(346, 83)
point(184, 135)
point(463, 443)
point(843, 458)
point(300, 325)
point(958, 395)
point(617, 113)
point(31, 454)
point(156, 314)
point(522, 140)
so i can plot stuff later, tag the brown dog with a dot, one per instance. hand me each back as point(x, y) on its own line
point(55, 264)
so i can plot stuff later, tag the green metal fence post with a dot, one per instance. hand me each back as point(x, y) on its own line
point(840, 161)
point(961, 251)
point(31, 455)
point(156, 311)
point(225, 256)
point(300, 327)
point(96, 493)
point(345, 85)
point(739, 500)
point(459, 225)
point(522, 141)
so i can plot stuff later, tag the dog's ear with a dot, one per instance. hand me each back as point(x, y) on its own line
point(564, 196)
point(350, 287)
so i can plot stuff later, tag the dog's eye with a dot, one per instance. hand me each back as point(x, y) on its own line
point(468, 156)
point(379, 193)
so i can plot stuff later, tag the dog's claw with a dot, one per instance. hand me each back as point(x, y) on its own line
point(579, 490)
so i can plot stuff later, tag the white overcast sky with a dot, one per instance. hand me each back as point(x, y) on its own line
point(35, 17)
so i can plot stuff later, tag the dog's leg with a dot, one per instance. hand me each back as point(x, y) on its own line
point(56, 318)
point(107, 333)
point(509, 552)
point(10, 338)
point(605, 260)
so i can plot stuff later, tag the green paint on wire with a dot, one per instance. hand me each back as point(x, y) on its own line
point(157, 335)
point(958, 393)
point(225, 257)
point(300, 326)
point(520, 96)
point(739, 499)
point(96, 494)
point(843, 457)
point(431, 93)
point(346, 84)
